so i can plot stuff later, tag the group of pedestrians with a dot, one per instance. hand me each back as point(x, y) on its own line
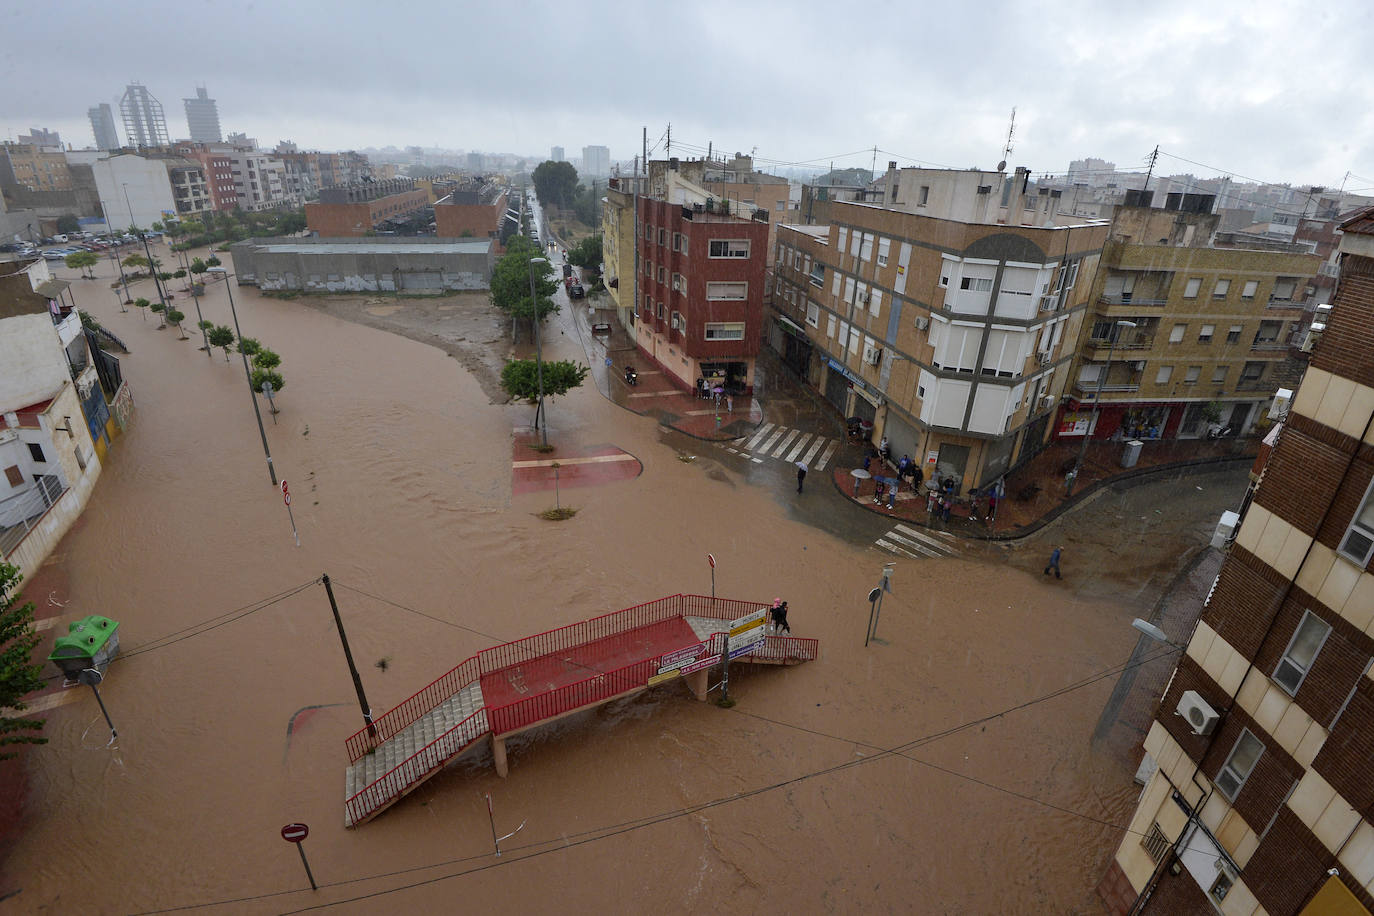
point(777, 614)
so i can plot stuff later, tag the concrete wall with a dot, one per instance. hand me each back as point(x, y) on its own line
point(477, 220)
point(146, 182)
point(371, 267)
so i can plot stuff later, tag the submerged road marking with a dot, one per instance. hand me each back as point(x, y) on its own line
point(594, 459)
point(825, 458)
point(759, 435)
point(801, 444)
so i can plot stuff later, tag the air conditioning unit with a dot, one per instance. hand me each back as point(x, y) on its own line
point(922, 322)
point(1049, 400)
point(873, 356)
point(1047, 305)
point(1202, 718)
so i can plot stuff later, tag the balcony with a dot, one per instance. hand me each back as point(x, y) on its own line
point(1288, 304)
point(1128, 339)
point(1254, 384)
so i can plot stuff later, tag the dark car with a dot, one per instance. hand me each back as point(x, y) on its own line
point(576, 291)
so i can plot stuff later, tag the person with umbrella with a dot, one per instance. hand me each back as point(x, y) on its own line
point(801, 474)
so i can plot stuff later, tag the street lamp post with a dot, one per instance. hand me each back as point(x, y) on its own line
point(271, 471)
point(540, 420)
point(1097, 403)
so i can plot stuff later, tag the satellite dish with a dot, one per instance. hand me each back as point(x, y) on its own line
point(1002, 166)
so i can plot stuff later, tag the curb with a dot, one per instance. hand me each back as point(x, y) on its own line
point(1083, 497)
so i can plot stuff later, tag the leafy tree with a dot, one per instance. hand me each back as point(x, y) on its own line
point(135, 260)
point(520, 378)
point(510, 283)
point(249, 346)
point(83, 260)
point(555, 183)
point(142, 304)
point(157, 308)
point(212, 261)
point(198, 266)
point(19, 676)
point(67, 223)
point(164, 275)
point(221, 336)
point(178, 274)
point(266, 359)
point(176, 317)
point(586, 253)
point(267, 375)
point(205, 325)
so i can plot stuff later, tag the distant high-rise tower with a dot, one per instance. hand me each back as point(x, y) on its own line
point(41, 136)
point(596, 160)
point(556, 154)
point(103, 126)
point(202, 117)
point(144, 124)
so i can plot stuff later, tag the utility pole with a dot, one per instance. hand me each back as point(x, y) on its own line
point(348, 654)
point(668, 149)
point(1151, 170)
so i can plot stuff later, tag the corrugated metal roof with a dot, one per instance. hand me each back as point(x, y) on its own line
point(455, 247)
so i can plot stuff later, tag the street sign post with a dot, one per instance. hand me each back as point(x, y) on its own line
point(296, 833)
point(286, 498)
point(744, 633)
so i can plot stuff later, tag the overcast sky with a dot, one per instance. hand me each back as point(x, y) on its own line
point(1263, 90)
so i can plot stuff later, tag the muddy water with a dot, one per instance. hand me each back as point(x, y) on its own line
point(399, 467)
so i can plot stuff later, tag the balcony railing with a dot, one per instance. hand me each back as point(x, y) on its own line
point(1124, 341)
point(1253, 384)
point(1283, 304)
point(1274, 344)
point(1132, 299)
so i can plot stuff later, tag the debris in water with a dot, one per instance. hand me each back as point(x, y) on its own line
point(682, 457)
point(384, 662)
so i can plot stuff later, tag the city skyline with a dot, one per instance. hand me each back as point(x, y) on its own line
point(1209, 89)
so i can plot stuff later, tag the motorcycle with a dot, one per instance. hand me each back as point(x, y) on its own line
point(631, 376)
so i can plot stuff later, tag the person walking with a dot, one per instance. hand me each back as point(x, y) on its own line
point(780, 618)
point(801, 474)
point(1054, 563)
point(729, 403)
point(891, 496)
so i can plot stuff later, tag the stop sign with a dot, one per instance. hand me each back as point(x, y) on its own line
point(294, 833)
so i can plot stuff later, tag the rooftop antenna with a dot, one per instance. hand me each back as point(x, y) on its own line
point(1006, 150)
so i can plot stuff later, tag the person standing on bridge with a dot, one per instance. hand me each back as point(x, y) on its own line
point(780, 618)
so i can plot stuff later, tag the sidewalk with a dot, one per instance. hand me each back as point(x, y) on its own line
point(1042, 482)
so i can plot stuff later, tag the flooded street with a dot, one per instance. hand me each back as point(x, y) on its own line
point(841, 785)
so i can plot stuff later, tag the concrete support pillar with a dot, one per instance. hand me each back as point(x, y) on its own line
point(697, 681)
point(498, 752)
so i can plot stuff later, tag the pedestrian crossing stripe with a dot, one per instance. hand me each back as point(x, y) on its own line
point(907, 541)
point(772, 441)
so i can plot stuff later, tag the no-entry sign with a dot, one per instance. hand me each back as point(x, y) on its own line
point(285, 493)
point(712, 560)
point(294, 833)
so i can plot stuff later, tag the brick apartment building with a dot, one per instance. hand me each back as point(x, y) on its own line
point(700, 292)
point(953, 337)
point(357, 209)
point(1262, 793)
point(1213, 328)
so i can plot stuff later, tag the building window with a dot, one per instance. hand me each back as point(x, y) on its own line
point(677, 241)
point(1239, 765)
point(1155, 843)
point(884, 250)
point(1220, 290)
point(721, 290)
point(1219, 375)
point(977, 284)
point(923, 197)
point(1301, 652)
point(1205, 335)
point(662, 274)
point(1252, 373)
point(1193, 285)
point(1176, 335)
point(818, 275)
point(675, 321)
point(1163, 375)
point(663, 236)
point(728, 248)
point(679, 284)
point(1358, 543)
point(36, 451)
point(1283, 289)
point(1193, 373)
point(661, 311)
point(648, 233)
point(684, 244)
point(813, 314)
point(1233, 335)
point(866, 249)
point(830, 324)
point(843, 237)
point(725, 330)
point(1248, 292)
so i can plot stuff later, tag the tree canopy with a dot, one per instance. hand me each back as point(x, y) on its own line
point(510, 282)
point(18, 675)
point(586, 253)
point(84, 260)
point(555, 183)
point(520, 378)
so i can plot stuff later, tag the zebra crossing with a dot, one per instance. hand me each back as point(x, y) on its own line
point(906, 541)
point(789, 445)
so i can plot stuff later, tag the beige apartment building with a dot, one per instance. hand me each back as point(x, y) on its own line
point(34, 168)
point(953, 338)
point(1209, 335)
point(618, 246)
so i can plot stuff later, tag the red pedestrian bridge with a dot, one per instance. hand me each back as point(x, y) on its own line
point(520, 685)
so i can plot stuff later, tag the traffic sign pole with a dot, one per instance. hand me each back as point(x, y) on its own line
point(712, 560)
point(286, 498)
point(296, 833)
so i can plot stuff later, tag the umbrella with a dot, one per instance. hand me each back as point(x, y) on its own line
point(859, 474)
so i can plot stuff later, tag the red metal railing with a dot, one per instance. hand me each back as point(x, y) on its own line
point(411, 709)
point(528, 710)
point(576, 634)
point(391, 784)
point(718, 608)
point(787, 648)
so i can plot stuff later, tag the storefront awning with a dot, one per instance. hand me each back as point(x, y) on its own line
point(52, 288)
point(790, 326)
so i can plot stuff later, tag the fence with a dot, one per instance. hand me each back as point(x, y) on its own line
point(23, 513)
point(394, 782)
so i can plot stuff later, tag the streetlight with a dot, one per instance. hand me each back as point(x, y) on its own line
point(1097, 403)
point(271, 471)
point(1155, 633)
point(539, 357)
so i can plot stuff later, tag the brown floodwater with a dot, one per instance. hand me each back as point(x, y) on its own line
point(399, 465)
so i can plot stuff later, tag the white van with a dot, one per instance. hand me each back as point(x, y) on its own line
point(61, 239)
